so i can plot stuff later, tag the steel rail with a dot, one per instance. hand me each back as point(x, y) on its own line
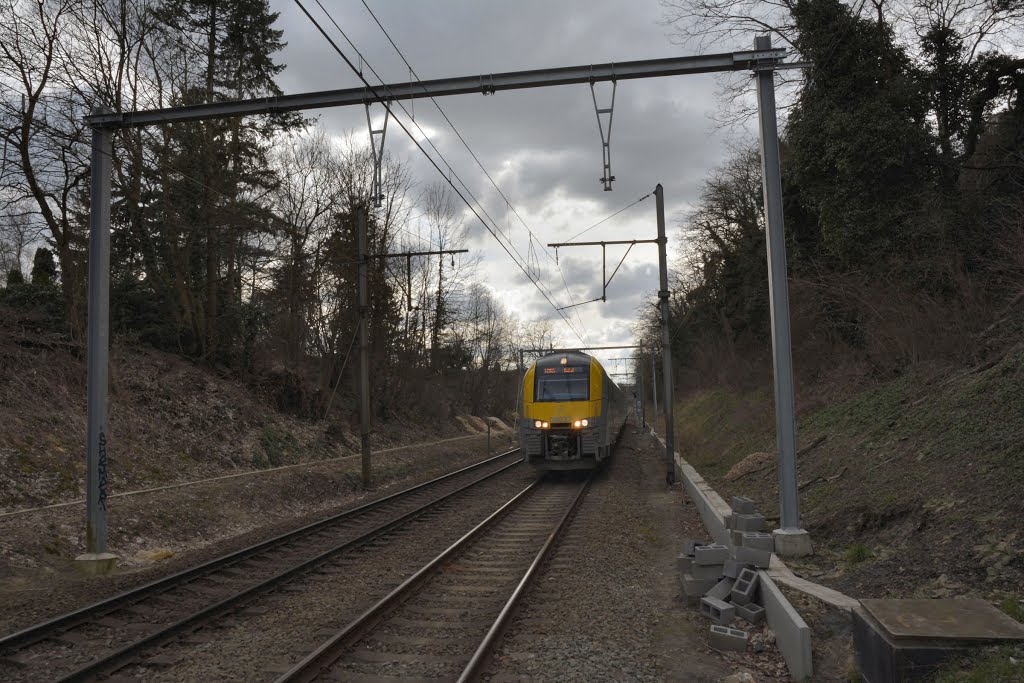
point(486, 648)
point(329, 653)
point(51, 627)
point(325, 656)
point(115, 660)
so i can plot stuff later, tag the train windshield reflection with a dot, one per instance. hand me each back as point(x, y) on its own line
point(563, 387)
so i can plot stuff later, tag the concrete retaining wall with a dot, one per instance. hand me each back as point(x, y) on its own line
point(792, 633)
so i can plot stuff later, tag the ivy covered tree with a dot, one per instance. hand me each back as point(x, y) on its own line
point(860, 147)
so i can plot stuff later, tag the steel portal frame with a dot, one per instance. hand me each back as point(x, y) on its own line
point(763, 61)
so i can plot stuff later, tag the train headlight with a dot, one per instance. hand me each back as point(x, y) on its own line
point(545, 425)
point(577, 424)
point(538, 424)
point(585, 422)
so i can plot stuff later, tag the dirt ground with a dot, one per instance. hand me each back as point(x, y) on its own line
point(676, 513)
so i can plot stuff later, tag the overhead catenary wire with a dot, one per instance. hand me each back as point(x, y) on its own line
point(608, 218)
point(456, 131)
point(448, 178)
point(537, 282)
point(508, 203)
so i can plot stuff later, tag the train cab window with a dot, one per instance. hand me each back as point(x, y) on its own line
point(562, 383)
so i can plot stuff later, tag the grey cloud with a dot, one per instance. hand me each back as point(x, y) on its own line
point(542, 146)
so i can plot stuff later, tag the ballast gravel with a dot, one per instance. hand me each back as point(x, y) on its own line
point(198, 524)
point(258, 647)
point(607, 606)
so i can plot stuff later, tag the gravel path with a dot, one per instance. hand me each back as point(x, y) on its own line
point(606, 608)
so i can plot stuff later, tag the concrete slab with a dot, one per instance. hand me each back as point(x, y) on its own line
point(96, 564)
point(780, 573)
point(792, 634)
point(953, 619)
point(792, 542)
point(907, 640)
point(711, 507)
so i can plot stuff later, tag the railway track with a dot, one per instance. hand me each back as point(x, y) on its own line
point(103, 637)
point(443, 622)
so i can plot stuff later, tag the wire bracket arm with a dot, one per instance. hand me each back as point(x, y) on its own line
point(377, 136)
point(606, 133)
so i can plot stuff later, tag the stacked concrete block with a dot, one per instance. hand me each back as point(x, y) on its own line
point(721, 590)
point(732, 568)
point(744, 589)
point(751, 612)
point(706, 571)
point(700, 567)
point(695, 588)
point(687, 565)
point(758, 540)
point(757, 558)
point(711, 554)
point(725, 576)
point(742, 505)
point(719, 611)
point(725, 638)
point(753, 522)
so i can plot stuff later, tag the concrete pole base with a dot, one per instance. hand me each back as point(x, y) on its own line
point(792, 542)
point(96, 564)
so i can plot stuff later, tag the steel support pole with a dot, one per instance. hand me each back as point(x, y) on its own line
point(364, 351)
point(96, 559)
point(640, 392)
point(666, 342)
point(654, 392)
point(778, 288)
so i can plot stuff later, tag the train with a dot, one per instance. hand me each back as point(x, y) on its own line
point(571, 412)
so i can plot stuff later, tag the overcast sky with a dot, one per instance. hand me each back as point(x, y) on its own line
point(541, 146)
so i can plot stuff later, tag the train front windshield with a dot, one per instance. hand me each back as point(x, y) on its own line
point(563, 383)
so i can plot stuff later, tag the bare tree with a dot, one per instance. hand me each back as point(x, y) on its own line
point(448, 231)
point(307, 197)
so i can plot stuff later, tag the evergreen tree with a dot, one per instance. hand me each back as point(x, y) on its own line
point(14, 277)
point(199, 219)
point(44, 268)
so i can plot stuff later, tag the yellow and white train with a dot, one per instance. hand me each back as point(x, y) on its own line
point(571, 412)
